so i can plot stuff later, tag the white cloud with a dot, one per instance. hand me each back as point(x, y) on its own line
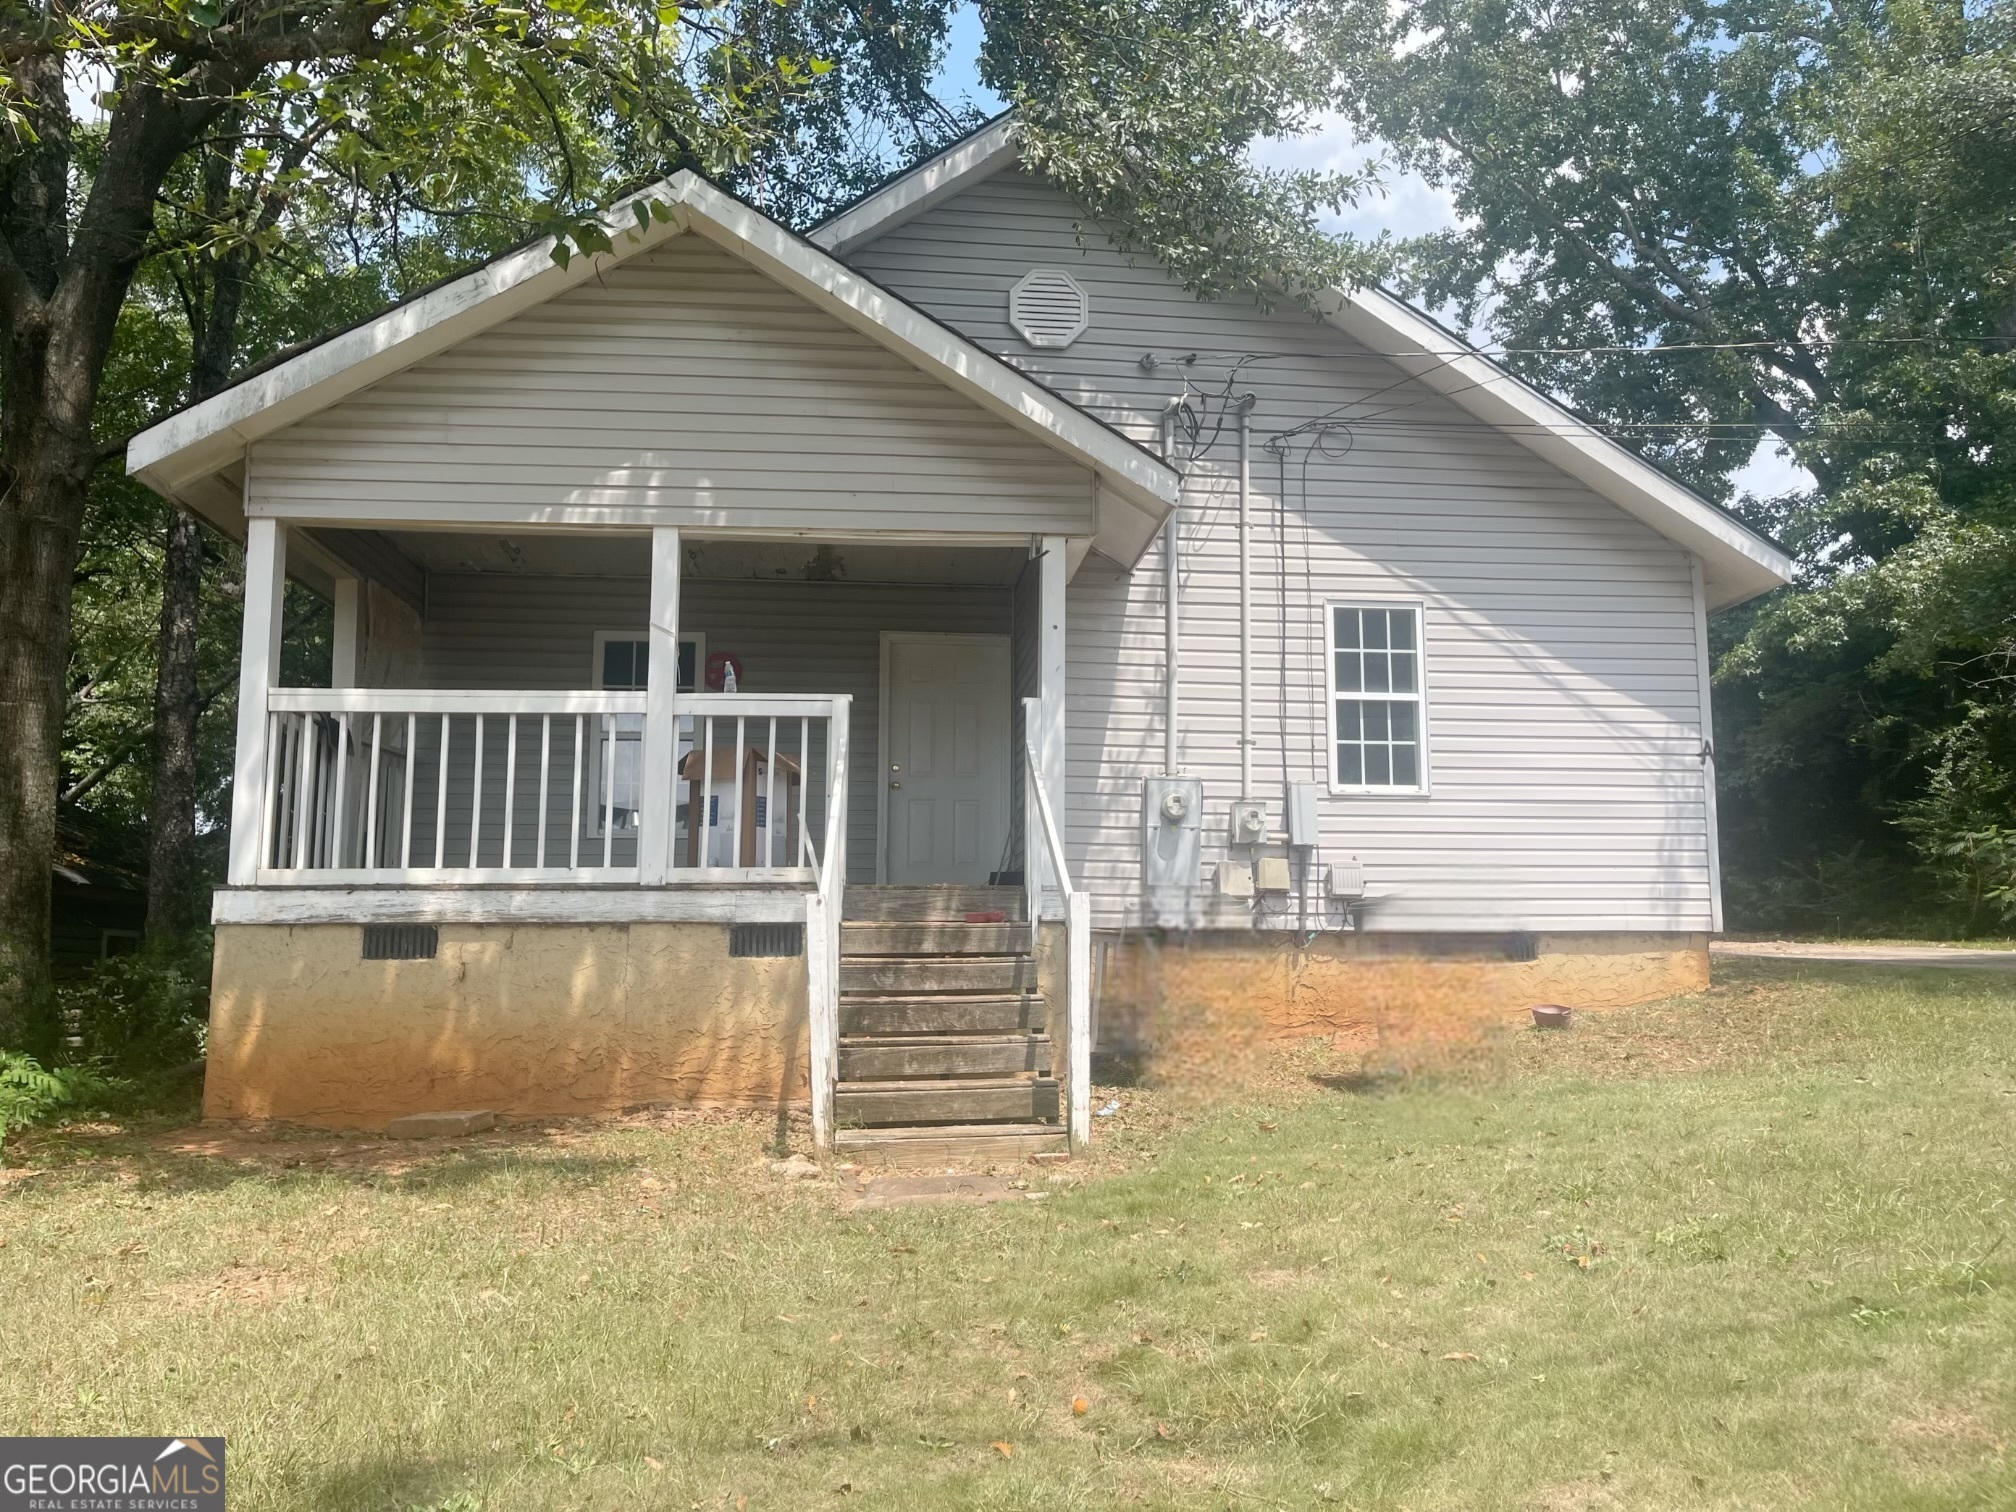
point(1770, 472)
point(1403, 204)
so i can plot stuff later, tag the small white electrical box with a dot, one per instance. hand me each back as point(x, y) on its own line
point(1273, 874)
point(1235, 879)
point(1305, 821)
point(1347, 879)
point(1249, 822)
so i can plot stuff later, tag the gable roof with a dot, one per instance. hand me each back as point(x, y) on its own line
point(188, 455)
point(1737, 562)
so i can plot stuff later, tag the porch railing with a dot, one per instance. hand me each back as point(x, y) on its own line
point(378, 785)
point(824, 908)
point(1077, 904)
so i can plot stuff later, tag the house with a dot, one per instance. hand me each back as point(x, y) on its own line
point(98, 892)
point(775, 668)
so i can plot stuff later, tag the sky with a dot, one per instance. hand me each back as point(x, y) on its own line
point(1404, 204)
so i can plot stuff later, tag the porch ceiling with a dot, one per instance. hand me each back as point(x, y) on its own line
point(621, 554)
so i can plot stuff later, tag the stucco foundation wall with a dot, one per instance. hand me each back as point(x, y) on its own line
point(1203, 993)
point(525, 1019)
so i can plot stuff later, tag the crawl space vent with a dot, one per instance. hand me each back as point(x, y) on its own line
point(766, 939)
point(1049, 308)
point(401, 942)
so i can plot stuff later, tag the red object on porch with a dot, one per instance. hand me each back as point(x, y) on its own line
point(988, 916)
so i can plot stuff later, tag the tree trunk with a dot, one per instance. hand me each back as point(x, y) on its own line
point(174, 891)
point(62, 282)
point(47, 472)
point(173, 894)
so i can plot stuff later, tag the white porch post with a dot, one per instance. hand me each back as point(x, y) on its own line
point(346, 637)
point(1050, 744)
point(661, 714)
point(258, 671)
point(1074, 906)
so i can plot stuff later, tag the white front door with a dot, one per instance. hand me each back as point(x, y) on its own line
point(945, 759)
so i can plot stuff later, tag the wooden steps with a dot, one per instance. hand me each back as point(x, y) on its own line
point(943, 937)
point(945, 1100)
point(944, 1049)
point(950, 1144)
point(884, 1057)
point(963, 1013)
point(934, 975)
point(942, 904)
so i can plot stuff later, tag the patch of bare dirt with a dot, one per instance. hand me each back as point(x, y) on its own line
point(1573, 1496)
point(1944, 1435)
point(237, 1286)
point(1281, 1280)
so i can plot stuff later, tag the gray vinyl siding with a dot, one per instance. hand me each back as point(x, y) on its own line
point(495, 631)
point(1565, 707)
point(685, 386)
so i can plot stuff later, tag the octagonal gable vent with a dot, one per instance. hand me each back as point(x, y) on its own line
point(1049, 308)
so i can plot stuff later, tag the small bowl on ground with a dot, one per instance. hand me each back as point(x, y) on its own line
point(1551, 1016)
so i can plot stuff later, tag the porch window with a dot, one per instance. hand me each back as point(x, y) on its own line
point(623, 662)
point(1378, 699)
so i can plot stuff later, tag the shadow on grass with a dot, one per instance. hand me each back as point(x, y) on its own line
point(132, 1160)
point(385, 1482)
point(1366, 1081)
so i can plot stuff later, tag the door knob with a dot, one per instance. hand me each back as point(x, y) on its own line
point(895, 784)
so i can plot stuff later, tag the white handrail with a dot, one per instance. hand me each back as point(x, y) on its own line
point(1077, 944)
point(1052, 842)
point(449, 701)
point(823, 908)
point(832, 866)
point(724, 705)
point(319, 829)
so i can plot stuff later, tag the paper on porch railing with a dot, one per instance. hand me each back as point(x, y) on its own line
point(745, 840)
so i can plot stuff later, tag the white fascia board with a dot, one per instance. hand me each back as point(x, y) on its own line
point(208, 435)
point(960, 166)
point(172, 456)
point(1126, 531)
point(1740, 564)
point(825, 282)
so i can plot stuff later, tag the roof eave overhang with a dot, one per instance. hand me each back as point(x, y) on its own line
point(203, 439)
point(958, 168)
point(1737, 563)
point(183, 457)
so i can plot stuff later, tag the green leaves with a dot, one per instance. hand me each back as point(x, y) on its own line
point(1145, 112)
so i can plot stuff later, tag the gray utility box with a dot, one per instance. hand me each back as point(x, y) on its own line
point(1305, 815)
point(1248, 823)
point(1172, 850)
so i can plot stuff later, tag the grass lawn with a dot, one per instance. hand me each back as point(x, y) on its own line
point(1746, 1249)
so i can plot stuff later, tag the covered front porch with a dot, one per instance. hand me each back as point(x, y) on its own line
point(537, 732)
point(708, 388)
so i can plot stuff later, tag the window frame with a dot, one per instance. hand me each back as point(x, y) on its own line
point(592, 820)
point(1420, 698)
point(132, 937)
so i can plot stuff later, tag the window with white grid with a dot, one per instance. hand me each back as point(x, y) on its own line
point(1378, 703)
point(622, 661)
